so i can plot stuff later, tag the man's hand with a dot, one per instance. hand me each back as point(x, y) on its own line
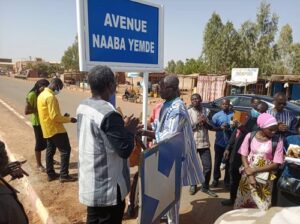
point(15, 170)
point(226, 154)
point(224, 126)
point(202, 119)
point(282, 127)
point(140, 130)
point(73, 120)
point(236, 124)
point(131, 124)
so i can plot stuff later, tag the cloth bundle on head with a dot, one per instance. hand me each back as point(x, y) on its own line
point(266, 120)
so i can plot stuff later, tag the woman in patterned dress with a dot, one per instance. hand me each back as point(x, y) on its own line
point(259, 162)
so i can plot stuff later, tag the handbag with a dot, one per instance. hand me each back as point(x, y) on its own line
point(290, 185)
point(262, 177)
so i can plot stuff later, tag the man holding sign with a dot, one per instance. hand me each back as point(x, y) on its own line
point(174, 118)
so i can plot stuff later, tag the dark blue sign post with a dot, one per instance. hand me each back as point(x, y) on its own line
point(125, 35)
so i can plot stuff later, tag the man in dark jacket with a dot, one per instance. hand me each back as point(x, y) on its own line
point(105, 142)
point(11, 209)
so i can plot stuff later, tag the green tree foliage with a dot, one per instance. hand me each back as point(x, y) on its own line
point(55, 68)
point(264, 50)
point(284, 51)
point(190, 66)
point(296, 58)
point(230, 48)
point(171, 66)
point(212, 48)
point(195, 66)
point(248, 37)
point(253, 45)
point(45, 69)
point(179, 68)
point(222, 46)
point(70, 59)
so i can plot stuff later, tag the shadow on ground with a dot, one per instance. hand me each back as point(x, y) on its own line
point(208, 209)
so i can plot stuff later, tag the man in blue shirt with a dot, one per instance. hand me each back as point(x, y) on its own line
point(221, 121)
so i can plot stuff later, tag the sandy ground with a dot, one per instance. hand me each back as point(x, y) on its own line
point(62, 199)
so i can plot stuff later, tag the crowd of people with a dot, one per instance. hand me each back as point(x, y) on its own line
point(251, 152)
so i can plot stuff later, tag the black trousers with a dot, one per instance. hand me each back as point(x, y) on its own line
point(107, 215)
point(205, 157)
point(235, 175)
point(219, 151)
point(61, 141)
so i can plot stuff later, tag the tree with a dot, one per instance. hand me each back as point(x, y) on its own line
point(222, 45)
point(284, 52)
point(296, 58)
point(70, 59)
point(202, 67)
point(55, 68)
point(266, 29)
point(248, 36)
point(230, 48)
point(252, 46)
point(190, 66)
point(44, 69)
point(179, 68)
point(212, 43)
point(171, 66)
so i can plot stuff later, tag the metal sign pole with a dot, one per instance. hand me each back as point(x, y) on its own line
point(145, 103)
point(80, 32)
point(245, 90)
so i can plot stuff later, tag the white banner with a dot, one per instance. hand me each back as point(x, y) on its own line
point(244, 75)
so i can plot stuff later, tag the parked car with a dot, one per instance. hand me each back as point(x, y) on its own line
point(242, 102)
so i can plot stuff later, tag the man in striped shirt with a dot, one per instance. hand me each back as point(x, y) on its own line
point(286, 120)
point(287, 123)
point(174, 118)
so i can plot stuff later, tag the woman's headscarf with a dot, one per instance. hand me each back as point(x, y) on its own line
point(266, 120)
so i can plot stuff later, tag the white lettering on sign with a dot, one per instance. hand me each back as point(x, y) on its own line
point(115, 43)
point(125, 23)
point(141, 46)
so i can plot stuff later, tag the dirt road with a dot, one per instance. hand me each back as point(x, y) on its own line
point(61, 200)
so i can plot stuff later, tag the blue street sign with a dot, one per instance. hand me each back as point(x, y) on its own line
point(160, 179)
point(125, 35)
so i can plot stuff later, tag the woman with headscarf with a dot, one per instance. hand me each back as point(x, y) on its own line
point(31, 108)
point(260, 159)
